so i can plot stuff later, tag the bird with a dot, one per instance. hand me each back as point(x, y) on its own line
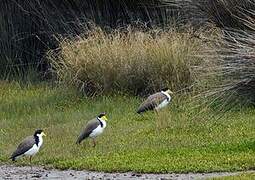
point(29, 146)
point(156, 101)
point(93, 128)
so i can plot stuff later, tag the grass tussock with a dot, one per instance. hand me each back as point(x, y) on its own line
point(236, 54)
point(131, 61)
point(237, 57)
point(228, 13)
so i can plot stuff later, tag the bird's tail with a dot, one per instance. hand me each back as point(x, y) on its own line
point(12, 158)
point(79, 139)
point(78, 142)
point(139, 111)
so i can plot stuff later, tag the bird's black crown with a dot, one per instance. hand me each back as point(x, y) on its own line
point(165, 89)
point(38, 131)
point(101, 114)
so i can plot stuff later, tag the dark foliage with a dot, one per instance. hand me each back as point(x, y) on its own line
point(228, 13)
point(28, 28)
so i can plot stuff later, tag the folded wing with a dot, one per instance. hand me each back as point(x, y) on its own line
point(23, 147)
point(151, 102)
point(91, 125)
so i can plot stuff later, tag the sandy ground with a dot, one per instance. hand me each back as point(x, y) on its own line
point(14, 172)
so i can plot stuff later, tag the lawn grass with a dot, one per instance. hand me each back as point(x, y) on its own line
point(182, 140)
point(242, 176)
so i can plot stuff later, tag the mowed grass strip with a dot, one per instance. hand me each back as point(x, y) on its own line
point(241, 176)
point(180, 139)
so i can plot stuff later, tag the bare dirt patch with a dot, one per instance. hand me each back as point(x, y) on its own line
point(25, 172)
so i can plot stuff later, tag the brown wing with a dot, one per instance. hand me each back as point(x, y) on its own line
point(91, 125)
point(151, 102)
point(23, 147)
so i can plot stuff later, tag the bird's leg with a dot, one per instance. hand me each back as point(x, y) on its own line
point(94, 142)
point(156, 111)
point(158, 122)
point(30, 159)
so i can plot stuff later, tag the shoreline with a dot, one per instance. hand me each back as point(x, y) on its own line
point(37, 172)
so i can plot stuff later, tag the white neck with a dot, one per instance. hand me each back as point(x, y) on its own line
point(168, 96)
point(40, 140)
point(103, 121)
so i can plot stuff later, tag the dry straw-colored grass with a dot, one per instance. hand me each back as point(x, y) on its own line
point(236, 50)
point(131, 61)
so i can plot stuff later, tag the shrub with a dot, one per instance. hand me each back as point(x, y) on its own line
point(131, 61)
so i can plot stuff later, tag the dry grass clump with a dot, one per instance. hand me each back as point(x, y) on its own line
point(236, 51)
point(236, 57)
point(132, 61)
point(227, 13)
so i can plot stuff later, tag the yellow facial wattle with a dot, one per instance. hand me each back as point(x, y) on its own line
point(104, 118)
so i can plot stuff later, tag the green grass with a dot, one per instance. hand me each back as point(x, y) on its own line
point(182, 140)
point(242, 176)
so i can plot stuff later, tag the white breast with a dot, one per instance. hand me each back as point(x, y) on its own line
point(32, 151)
point(35, 148)
point(99, 130)
point(165, 102)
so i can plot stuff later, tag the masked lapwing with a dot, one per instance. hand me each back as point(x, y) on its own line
point(29, 146)
point(156, 101)
point(93, 128)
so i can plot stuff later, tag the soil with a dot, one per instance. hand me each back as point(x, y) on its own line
point(25, 172)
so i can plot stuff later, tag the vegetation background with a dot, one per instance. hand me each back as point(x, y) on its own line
point(63, 61)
